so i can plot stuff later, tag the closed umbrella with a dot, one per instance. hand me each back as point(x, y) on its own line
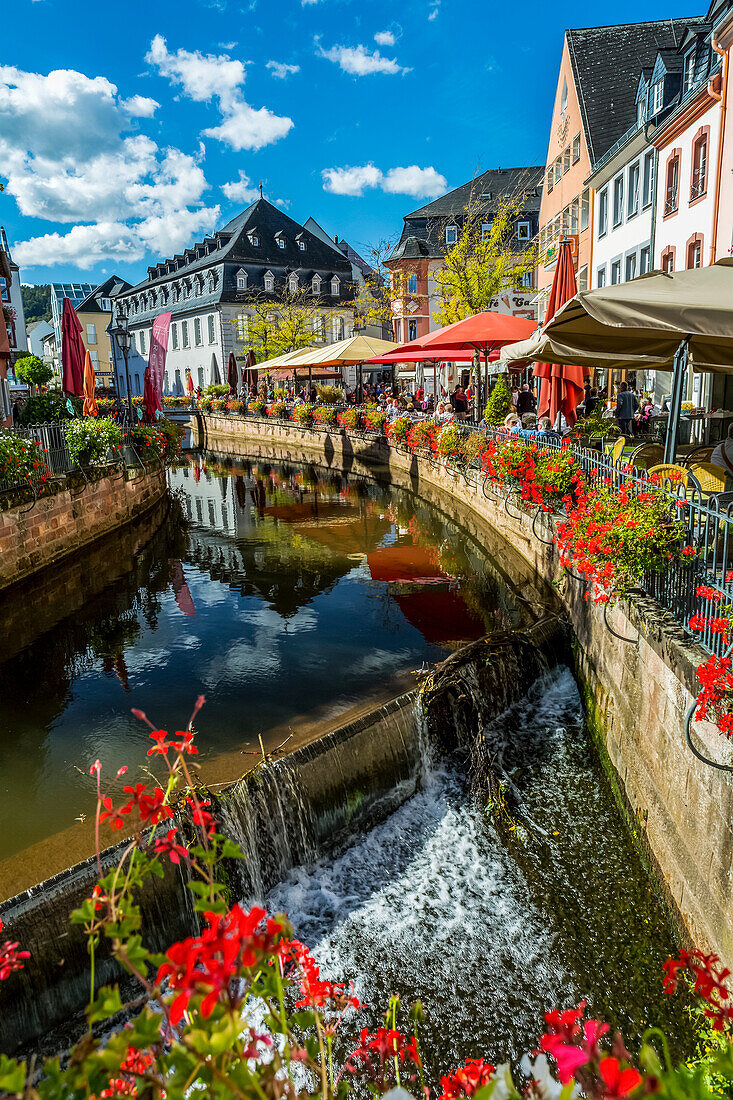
point(151, 398)
point(251, 371)
point(72, 350)
point(189, 383)
point(562, 385)
point(90, 402)
point(232, 373)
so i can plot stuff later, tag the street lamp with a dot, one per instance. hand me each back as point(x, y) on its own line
point(123, 336)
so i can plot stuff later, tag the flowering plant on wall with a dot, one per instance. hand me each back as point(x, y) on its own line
point(303, 414)
point(324, 414)
point(449, 440)
point(240, 1008)
point(21, 460)
point(278, 409)
point(422, 436)
point(90, 440)
point(397, 430)
point(350, 419)
point(374, 419)
point(256, 407)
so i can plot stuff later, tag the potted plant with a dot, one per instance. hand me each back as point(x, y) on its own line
point(92, 441)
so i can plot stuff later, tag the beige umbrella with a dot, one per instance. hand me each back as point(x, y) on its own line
point(657, 322)
point(289, 359)
point(356, 349)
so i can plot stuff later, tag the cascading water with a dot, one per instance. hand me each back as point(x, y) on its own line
point(489, 930)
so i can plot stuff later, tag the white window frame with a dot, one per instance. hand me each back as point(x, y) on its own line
point(618, 192)
point(524, 230)
point(184, 334)
point(280, 242)
point(631, 261)
point(335, 287)
point(645, 258)
point(198, 336)
point(657, 96)
point(174, 337)
point(241, 280)
point(615, 268)
point(269, 282)
point(211, 323)
point(647, 181)
point(603, 212)
point(412, 278)
point(451, 235)
point(91, 333)
point(316, 283)
point(301, 246)
point(633, 193)
point(254, 240)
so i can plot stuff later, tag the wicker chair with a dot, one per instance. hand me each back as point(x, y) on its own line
point(646, 455)
point(711, 479)
point(700, 454)
point(618, 449)
point(672, 476)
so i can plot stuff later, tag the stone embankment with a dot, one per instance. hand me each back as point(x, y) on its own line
point(635, 665)
point(35, 536)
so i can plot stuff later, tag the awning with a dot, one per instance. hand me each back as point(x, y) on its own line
point(641, 324)
point(422, 357)
point(318, 374)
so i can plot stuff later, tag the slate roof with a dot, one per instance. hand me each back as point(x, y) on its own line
point(606, 64)
point(110, 288)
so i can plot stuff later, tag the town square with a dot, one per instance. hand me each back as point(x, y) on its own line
point(366, 550)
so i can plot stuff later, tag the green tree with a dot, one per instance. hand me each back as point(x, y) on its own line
point(483, 262)
point(272, 324)
point(499, 404)
point(36, 302)
point(33, 371)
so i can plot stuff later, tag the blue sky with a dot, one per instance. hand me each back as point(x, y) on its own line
point(127, 131)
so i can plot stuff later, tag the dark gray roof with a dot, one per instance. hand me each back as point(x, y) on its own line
point(111, 287)
point(354, 257)
point(411, 248)
point(497, 182)
point(606, 63)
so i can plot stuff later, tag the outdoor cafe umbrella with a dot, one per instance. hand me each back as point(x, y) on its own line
point(232, 373)
point(189, 382)
point(151, 398)
point(561, 388)
point(660, 321)
point(90, 402)
point(250, 371)
point(72, 350)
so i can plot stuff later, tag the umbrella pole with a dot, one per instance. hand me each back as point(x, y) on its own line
point(679, 378)
point(310, 380)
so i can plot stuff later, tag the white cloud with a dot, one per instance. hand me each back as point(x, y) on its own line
point(420, 183)
point(385, 38)
point(281, 69)
point(353, 181)
point(359, 61)
point(228, 46)
point(241, 190)
point(434, 8)
point(139, 106)
point(205, 76)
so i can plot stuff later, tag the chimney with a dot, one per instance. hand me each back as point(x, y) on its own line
point(336, 239)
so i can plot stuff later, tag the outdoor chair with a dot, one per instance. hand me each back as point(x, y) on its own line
point(699, 454)
point(617, 449)
point(671, 476)
point(711, 479)
point(646, 455)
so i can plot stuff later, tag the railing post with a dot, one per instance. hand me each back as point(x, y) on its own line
point(679, 377)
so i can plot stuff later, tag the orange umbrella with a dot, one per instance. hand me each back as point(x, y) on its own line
point(90, 401)
point(562, 389)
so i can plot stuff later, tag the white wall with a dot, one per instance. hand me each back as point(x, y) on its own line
point(630, 236)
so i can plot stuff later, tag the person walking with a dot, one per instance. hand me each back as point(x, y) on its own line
point(626, 406)
point(526, 401)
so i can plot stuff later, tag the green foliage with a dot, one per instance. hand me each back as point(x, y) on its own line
point(21, 460)
point(33, 371)
point(329, 395)
point(50, 407)
point(90, 439)
point(499, 404)
point(596, 424)
point(216, 389)
point(36, 303)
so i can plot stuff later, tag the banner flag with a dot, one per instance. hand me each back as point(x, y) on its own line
point(158, 350)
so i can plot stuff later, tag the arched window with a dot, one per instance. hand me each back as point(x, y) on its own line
point(269, 282)
point(335, 286)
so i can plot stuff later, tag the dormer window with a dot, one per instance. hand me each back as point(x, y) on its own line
point(335, 286)
point(316, 284)
point(269, 282)
point(105, 305)
point(451, 234)
point(280, 242)
point(657, 97)
point(241, 279)
point(254, 240)
point(293, 283)
point(301, 246)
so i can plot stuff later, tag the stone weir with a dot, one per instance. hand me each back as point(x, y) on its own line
point(290, 812)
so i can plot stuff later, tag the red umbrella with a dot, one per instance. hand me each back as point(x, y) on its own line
point(232, 373)
point(72, 350)
point(251, 373)
point(189, 382)
point(151, 398)
point(562, 390)
point(486, 332)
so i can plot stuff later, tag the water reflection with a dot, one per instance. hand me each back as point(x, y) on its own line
point(289, 595)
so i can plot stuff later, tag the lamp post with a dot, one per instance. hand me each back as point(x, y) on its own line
point(123, 337)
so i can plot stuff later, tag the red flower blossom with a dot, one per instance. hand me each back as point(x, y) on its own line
point(10, 957)
point(619, 1082)
point(112, 815)
point(467, 1079)
point(176, 852)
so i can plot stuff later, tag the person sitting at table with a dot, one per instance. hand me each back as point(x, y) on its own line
point(545, 434)
point(722, 456)
point(641, 420)
point(529, 425)
point(512, 424)
point(443, 414)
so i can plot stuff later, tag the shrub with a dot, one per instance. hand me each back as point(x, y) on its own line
point(499, 404)
point(50, 408)
point(90, 439)
point(322, 414)
point(216, 389)
point(278, 410)
point(149, 442)
point(21, 460)
point(33, 371)
point(303, 414)
point(350, 419)
point(398, 429)
point(374, 419)
point(329, 395)
point(256, 407)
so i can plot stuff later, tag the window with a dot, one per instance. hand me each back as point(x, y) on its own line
point(668, 260)
point(689, 77)
point(523, 229)
point(648, 179)
point(630, 267)
point(137, 389)
point(657, 96)
point(184, 333)
point(4, 290)
point(485, 231)
point(254, 240)
point(197, 332)
point(174, 337)
point(584, 210)
point(280, 242)
point(566, 160)
point(242, 326)
point(576, 148)
point(316, 284)
point(558, 169)
point(106, 305)
point(550, 178)
point(94, 356)
point(212, 328)
point(644, 258)
point(618, 200)
point(335, 286)
point(564, 97)
point(694, 253)
point(603, 212)
point(412, 281)
point(142, 342)
point(601, 276)
point(91, 334)
point(293, 283)
point(673, 179)
point(451, 234)
point(583, 278)
point(572, 224)
point(641, 111)
point(699, 168)
point(528, 280)
point(301, 246)
point(269, 282)
point(615, 272)
point(412, 330)
point(241, 279)
point(632, 204)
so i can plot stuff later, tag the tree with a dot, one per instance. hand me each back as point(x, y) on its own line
point(272, 324)
point(373, 305)
point(33, 371)
point(482, 262)
point(499, 404)
point(36, 302)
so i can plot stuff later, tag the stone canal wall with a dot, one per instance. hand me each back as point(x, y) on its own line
point(637, 672)
point(33, 537)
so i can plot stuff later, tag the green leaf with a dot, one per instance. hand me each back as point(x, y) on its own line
point(106, 1004)
point(12, 1075)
